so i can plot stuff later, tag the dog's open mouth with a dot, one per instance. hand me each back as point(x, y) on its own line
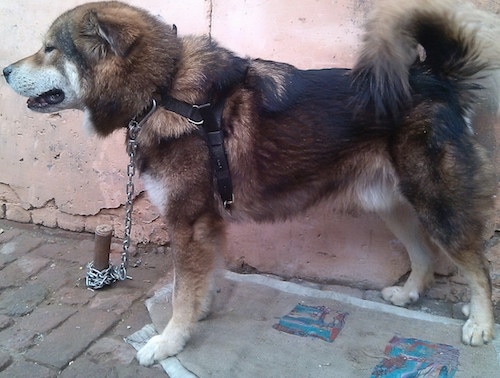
point(52, 97)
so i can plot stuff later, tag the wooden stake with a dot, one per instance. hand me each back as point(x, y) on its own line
point(103, 233)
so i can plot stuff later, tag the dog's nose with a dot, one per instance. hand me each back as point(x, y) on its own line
point(6, 72)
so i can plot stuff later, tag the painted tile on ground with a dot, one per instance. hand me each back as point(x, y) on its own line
point(315, 321)
point(408, 357)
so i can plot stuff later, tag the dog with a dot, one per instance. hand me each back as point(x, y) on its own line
point(393, 135)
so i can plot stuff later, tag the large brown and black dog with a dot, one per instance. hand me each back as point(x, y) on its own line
point(394, 135)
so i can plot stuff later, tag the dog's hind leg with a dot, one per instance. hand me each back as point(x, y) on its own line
point(449, 180)
point(194, 248)
point(461, 236)
point(478, 328)
point(403, 222)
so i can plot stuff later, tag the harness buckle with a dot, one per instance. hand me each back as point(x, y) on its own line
point(195, 114)
point(229, 202)
point(148, 114)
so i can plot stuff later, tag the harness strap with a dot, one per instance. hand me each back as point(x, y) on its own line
point(215, 141)
point(189, 111)
point(209, 117)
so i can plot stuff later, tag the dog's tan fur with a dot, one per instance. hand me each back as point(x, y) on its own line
point(392, 136)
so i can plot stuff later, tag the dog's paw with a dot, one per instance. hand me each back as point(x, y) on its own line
point(147, 354)
point(477, 333)
point(400, 296)
point(158, 348)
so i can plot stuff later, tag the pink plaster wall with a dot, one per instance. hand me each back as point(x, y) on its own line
point(51, 173)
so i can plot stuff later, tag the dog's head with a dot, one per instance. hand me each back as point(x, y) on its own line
point(105, 58)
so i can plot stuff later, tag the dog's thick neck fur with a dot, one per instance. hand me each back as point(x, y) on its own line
point(188, 83)
point(150, 55)
point(191, 84)
point(113, 53)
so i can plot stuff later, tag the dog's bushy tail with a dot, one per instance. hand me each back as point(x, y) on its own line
point(452, 40)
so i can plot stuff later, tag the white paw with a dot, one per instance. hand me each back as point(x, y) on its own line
point(399, 296)
point(476, 333)
point(146, 355)
point(158, 348)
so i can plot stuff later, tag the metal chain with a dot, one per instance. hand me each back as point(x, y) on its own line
point(133, 131)
point(96, 279)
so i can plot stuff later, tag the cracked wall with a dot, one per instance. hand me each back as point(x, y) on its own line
point(52, 174)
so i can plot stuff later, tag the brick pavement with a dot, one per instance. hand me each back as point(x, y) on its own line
point(51, 325)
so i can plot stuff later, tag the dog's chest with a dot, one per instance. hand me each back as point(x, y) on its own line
point(157, 192)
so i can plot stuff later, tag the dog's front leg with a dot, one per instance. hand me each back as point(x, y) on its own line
point(193, 250)
point(178, 330)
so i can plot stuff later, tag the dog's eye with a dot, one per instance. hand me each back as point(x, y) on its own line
point(49, 49)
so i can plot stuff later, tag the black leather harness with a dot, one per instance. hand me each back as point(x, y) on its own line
point(209, 118)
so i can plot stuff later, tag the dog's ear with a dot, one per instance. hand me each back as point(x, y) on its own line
point(111, 35)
